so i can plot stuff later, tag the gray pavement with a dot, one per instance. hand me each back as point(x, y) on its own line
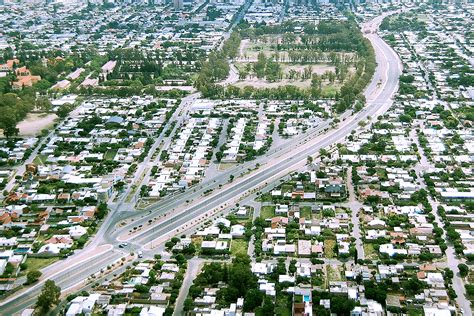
point(278, 164)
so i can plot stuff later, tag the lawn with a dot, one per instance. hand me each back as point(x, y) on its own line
point(369, 251)
point(330, 91)
point(40, 160)
point(329, 245)
point(333, 273)
point(38, 263)
point(286, 188)
point(225, 165)
point(305, 212)
point(317, 215)
point(110, 154)
point(267, 212)
point(238, 246)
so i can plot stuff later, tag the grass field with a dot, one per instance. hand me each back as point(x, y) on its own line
point(224, 166)
point(267, 212)
point(197, 241)
point(329, 245)
point(40, 160)
point(110, 154)
point(369, 251)
point(305, 211)
point(333, 273)
point(38, 264)
point(286, 188)
point(238, 246)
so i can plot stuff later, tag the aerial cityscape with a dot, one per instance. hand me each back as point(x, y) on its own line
point(236, 158)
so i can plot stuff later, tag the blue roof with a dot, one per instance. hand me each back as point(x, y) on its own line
point(115, 119)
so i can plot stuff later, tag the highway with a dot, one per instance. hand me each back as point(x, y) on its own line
point(184, 209)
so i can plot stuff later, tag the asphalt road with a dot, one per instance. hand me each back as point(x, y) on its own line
point(275, 164)
point(379, 97)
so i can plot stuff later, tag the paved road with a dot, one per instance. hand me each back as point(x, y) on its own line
point(379, 97)
point(233, 76)
point(194, 266)
point(388, 72)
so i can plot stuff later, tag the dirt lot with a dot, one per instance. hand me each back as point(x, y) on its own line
point(262, 83)
point(35, 122)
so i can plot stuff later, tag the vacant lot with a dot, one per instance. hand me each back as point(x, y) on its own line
point(262, 83)
point(305, 212)
point(333, 273)
point(329, 245)
point(35, 122)
point(238, 247)
point(267, 212)
point(369, 251)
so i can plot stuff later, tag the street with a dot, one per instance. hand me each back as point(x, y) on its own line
point(183, 210)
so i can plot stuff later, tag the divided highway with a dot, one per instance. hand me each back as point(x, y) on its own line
point(184, 208)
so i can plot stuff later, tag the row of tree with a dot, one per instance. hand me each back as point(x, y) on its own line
point(216, 67)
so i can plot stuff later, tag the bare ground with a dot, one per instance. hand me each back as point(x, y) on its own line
point(35, 122)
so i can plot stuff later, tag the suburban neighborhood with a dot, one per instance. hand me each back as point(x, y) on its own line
point(236, 158)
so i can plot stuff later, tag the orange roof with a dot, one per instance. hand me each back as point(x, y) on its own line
point(427, 267)
point(5, 218)
point(89, 213)
point(12, 62)
point(280, 219)
point(59, 240)
point(77, 219)
point(22, 70)
point(26, 81)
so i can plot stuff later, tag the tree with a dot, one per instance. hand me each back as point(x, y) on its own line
point(64, 110)
point(10, 129)
point(463, 270)
point(33, 276)
point(342, 305)
point(140, 288)
point(268, 308)
point(253, 299)
point(375, 291)
point(413, 286)
point(259, 66)
point(188, 304)
point(469, 289)
point(43, 104)
point(241, 276)
point(48, 297)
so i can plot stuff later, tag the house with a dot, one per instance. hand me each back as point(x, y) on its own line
point(153, 311)
point(83, 305)
point(24, 79)
point(281, 209)
point(237, 231)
